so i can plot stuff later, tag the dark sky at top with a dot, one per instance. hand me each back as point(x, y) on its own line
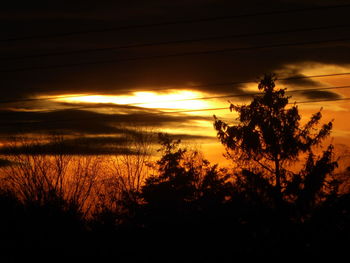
point(37, 28)
point(50, 18)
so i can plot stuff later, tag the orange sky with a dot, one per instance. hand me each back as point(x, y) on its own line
point(183, 98)
point(94, 73)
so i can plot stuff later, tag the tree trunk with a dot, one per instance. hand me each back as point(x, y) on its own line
point(278, 183)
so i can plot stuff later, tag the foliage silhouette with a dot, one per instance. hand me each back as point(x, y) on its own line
point(187, 209)
point(185, 181)
point(269, 140)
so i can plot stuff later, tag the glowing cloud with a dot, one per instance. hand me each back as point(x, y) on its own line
point(183, 99)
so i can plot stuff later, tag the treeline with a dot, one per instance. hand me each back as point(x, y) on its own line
point(182, 208)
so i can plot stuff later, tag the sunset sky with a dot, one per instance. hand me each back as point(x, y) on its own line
point(96, 68)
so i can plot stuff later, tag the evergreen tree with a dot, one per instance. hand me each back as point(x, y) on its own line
point(269, 139)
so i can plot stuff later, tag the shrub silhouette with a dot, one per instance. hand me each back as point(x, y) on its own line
point(188, 209)
point(183, 177)
point(185, 184)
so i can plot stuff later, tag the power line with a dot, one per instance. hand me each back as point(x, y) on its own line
point(223, 108)
point(40, 122)
point(201, 86)
point(239, 95)
point(40, 99)
point(162, 43)
point(315, 76)
point(321, 100)
point(196, 53)
point(176, 22)
point(225, 96)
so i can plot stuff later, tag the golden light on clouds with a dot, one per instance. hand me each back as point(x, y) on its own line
point(313, 68)
point(183, 99)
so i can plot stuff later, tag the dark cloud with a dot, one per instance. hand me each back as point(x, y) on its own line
point(124, 143)
point(320, 94)
point(300, 82)
point(204, 72)
point(293, 78)
point(61, 16)
point(189, 137)
point(75, 121)
point(66, 148)
point(85, 131)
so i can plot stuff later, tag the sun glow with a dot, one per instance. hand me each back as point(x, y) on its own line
point(184, 99)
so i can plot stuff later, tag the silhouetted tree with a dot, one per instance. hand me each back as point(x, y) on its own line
point(118, 195)
point(269, 140)
point(184, 202)
point(185, 181)
point(174, 183)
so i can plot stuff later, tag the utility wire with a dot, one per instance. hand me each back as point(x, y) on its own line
point(239, 95)
point(175, 22)
point(304, 91)
point(41, 122)
point(210, 97)
point(223, 108)
point(182, 54)
point(162, 43)
point(201, 86)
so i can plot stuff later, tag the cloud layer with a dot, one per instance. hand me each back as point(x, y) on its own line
point(114, 78)
point(143, 68)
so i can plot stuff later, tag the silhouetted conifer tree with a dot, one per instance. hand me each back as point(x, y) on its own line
point(269, 139)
